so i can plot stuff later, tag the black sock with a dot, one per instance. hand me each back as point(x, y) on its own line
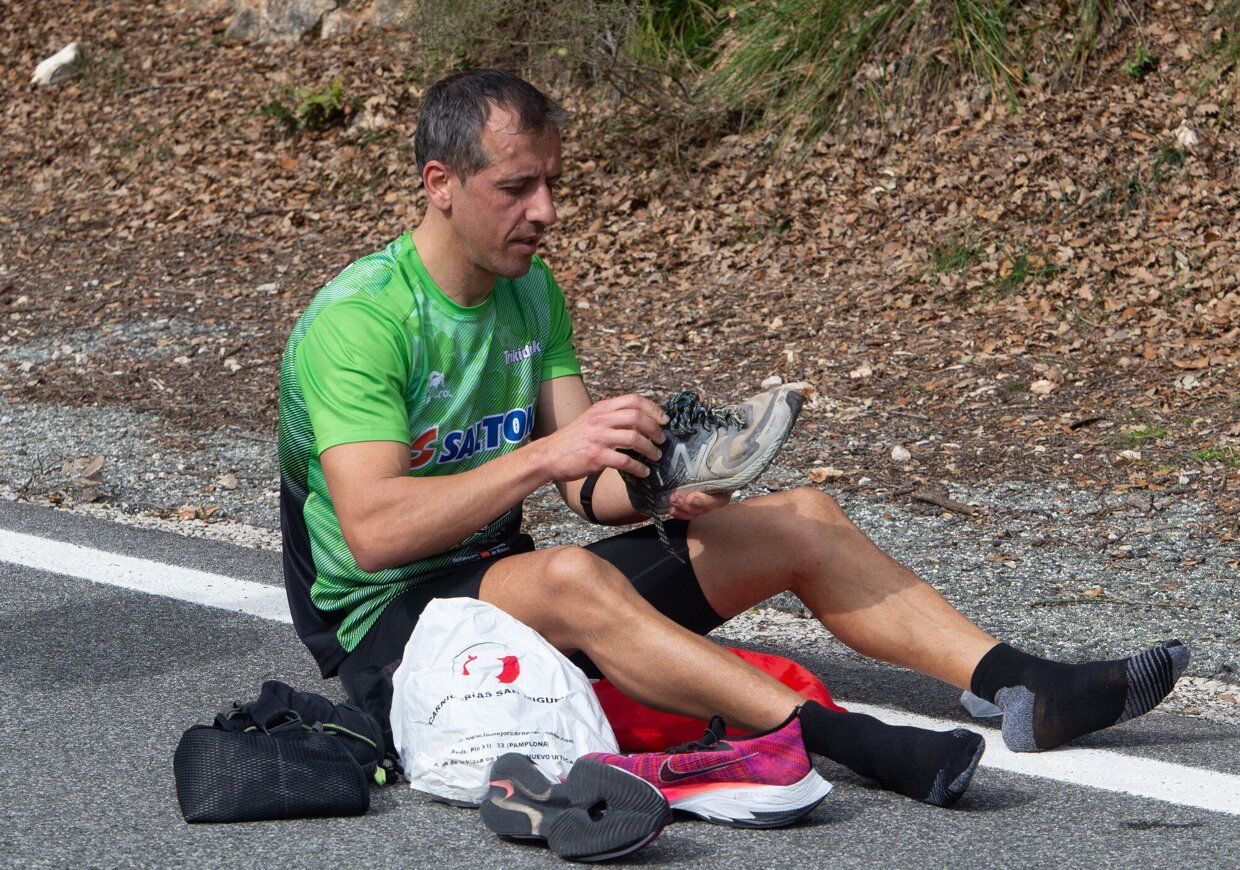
point(1048, 703)
point(931, 766)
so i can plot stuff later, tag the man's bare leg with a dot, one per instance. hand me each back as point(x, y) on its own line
point(742, 554)
point(578, 601)
point(801, 541)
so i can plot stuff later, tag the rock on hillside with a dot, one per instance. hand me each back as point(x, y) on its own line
point(283, 20)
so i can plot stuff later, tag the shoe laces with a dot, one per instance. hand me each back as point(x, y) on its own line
point(708, 742)
point(686, 413)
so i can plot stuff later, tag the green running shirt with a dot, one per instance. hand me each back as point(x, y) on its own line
point(381, 354)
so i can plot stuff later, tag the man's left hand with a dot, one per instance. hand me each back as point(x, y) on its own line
point(688, 505)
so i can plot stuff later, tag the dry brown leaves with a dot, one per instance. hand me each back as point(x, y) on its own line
point(1100, 283)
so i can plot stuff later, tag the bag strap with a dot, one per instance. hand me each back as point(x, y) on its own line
point(334, 729)
point(280, 709)
point(269, 712)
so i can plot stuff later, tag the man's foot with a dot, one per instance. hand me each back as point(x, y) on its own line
point(714, 450)
point(761, 781)
point(932, 766)
point(1046, 703)
point(598, 812)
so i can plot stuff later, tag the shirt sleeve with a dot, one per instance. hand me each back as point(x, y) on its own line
point(559, 357)
point(353, 366)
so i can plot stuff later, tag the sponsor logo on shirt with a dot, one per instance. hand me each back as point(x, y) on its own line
point(489, 433)
point(512, 356)
point(422, 450)
point(498, 550)
point(435, 388)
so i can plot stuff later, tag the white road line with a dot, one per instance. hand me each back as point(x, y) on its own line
point(143, 575)
point(1093, 768)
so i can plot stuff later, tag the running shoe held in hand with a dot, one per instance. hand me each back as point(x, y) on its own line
point(598, 812)
point(714, 450)
point(761, 781)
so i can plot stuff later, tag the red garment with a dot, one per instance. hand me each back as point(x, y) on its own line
point(641, 729)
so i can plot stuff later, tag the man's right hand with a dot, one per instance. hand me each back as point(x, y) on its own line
point(592, 441)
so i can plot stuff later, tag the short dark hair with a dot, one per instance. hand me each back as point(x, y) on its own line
point(456, 108)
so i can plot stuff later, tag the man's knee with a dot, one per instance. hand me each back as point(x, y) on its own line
point(573, 574)
point(814, 528)
point(581, 596)
point(816, 506)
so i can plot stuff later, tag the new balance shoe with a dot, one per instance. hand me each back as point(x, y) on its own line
point(597, 812)
point(714, 450)
point(760, 781)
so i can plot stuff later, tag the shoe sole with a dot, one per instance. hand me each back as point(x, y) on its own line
point(756, 806)
point(599, 812)
point(751, 470)
point(951, 785)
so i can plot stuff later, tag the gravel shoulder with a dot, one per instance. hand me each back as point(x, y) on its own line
point(1050, 292)
point(1060, 570)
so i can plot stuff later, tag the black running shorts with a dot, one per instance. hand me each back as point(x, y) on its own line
point(667, 583)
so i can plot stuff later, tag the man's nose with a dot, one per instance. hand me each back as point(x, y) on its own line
point(542, 209)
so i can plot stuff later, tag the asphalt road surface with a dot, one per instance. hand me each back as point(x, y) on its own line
point(98, 682)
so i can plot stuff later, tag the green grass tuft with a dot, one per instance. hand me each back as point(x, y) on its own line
point(1020, 267)
point(310, 108)
point(961, 253)
point(1225, 52)
point(1141, 435)
point(1140, 63)
point(1227, 455)
point(680, 35)
point(798, 68)
point(956, 255)
point(1170, 155)
point(276, 110)
point(805, 66)
point(1092, 23)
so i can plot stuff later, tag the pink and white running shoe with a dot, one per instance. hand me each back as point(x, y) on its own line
point(760, 781)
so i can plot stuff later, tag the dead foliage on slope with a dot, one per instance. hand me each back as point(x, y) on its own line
point(1049, 293)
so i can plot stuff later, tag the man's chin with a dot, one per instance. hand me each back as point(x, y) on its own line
point(515, 267)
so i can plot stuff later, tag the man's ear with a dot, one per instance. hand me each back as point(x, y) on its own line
point(437, 179)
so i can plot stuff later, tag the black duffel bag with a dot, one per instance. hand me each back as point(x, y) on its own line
point(285, 755)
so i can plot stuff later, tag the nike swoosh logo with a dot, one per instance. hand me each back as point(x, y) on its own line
point(505, 785)
point(667, 773)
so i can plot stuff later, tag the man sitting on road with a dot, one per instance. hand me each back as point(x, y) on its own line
point(433, 385)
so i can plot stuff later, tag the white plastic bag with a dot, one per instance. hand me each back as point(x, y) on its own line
point(474, 684)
